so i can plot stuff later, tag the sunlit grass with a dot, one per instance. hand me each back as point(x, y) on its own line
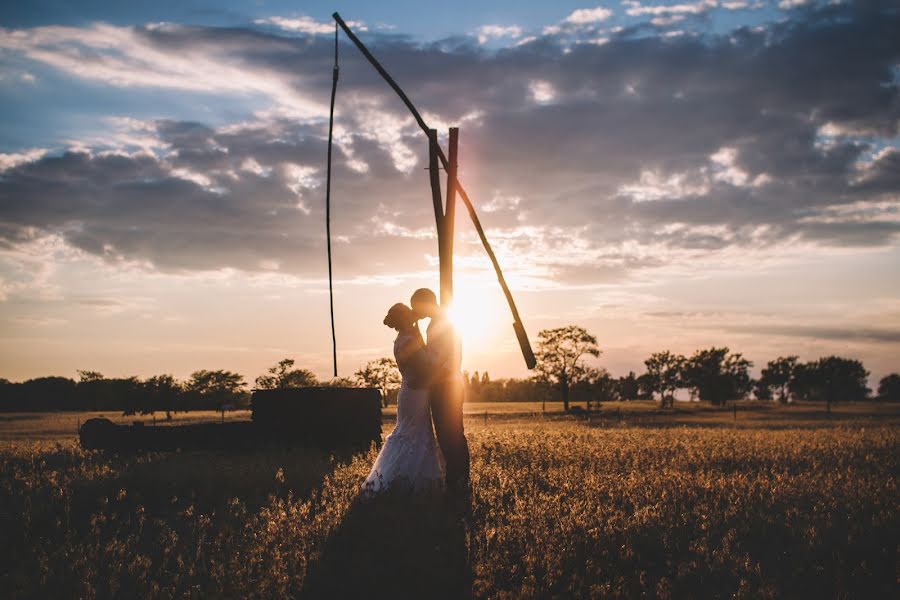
point(560, 509)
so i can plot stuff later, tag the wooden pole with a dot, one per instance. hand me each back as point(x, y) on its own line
point(519, 328)
point(438, 201)
point(449, 221)
point(334, 81)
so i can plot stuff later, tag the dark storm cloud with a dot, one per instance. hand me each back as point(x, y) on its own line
point(137, 208)
point(615, 142)
point(840, 334)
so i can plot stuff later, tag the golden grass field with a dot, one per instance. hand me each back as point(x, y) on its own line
point(770, 502)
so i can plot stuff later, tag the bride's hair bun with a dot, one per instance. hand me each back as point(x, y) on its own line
point(398, 315)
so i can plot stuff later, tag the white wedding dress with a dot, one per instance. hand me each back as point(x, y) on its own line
point(410, 457)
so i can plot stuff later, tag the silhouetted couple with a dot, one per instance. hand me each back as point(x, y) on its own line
point(431, 391)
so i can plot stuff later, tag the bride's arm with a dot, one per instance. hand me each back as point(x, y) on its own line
point(404, 350)
point(421, 366)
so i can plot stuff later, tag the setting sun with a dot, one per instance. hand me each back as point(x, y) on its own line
point(479, 315)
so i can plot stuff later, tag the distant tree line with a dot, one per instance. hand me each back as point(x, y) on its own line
point(204, 390)
point(218, 390)
point(714, 375)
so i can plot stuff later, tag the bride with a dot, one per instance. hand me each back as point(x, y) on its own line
point(410, 455)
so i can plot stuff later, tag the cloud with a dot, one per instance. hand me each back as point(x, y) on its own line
point(308, 25)
point(629, 156)
point(14, 159)
point(486, 33)
point(789, 4)
point(741, 5)
point(635, 8)
point(825, 332)
point(666, 20)
point(655, 186)
point(584, 16)
point(172, 57)
point(542, 91)
point(244, 198)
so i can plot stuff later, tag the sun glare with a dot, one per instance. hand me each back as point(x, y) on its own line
point(478, 317)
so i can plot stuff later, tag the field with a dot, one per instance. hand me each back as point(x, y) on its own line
point(763, 502)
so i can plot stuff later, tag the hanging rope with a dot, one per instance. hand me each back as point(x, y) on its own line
point(334, 81)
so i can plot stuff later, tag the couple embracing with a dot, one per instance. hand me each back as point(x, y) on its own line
point(431, 392)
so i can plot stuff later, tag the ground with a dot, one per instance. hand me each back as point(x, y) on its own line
point(634, 502)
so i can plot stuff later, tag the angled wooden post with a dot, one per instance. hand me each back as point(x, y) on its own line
point(437, 199)
point(434, 172)
point(449, 222)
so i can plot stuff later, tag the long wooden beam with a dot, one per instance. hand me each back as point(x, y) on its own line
point(450, 219)
point(434, 176)
point(525, 345)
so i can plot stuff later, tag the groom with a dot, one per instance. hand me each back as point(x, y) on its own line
point(446, 389)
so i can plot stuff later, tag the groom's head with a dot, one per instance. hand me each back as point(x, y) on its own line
point(424, 304)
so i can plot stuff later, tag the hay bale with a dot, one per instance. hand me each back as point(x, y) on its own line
point(99, 434)
point(328, 417)
point(324, 417)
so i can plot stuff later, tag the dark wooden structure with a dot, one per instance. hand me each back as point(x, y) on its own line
point(321, 417)
point(444, 217)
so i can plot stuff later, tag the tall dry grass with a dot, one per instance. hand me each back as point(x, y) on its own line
point(559, 510)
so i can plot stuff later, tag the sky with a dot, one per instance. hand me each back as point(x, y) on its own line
point(668, 175)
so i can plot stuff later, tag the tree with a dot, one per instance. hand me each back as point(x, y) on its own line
point(96, 392)
point(591, 388)
point(717, 376)
point(86, 376)
point(761, 390)
point(604, 388)
point(559, 357)
point(215, 389)
point(646, 385)
point(778, 375)
point(340, 382)
point(889, 388)
point(475, 382)
point(628, 387)
point(664, 375)
point(283, 376)
point(161, 392)
point(48, 393)
point(831, 379)
point(383, 374)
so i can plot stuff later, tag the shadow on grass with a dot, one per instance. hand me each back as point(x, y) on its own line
point(165, 483)
point(394, 546)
